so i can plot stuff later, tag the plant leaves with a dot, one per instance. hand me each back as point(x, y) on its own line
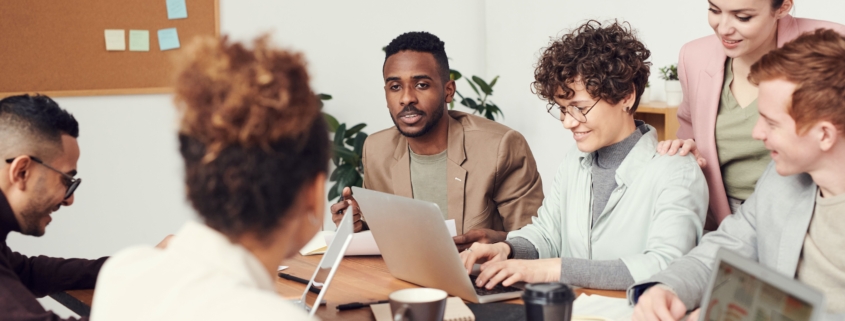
point(347, 179)
point(454, 74)
point(493, 83)
point(333, 176)
point(483, 85)
point(473, 87)
point(324, 96)
point(340, 134)
point(354, 130)
point(333, 194)
point(331, 122)
point(359, 144)
point(348, 156)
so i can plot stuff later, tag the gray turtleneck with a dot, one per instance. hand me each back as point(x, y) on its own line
point(595, 274)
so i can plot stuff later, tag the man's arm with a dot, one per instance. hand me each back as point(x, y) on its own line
point(43, 275)
point(518, 190)
point(18, 303)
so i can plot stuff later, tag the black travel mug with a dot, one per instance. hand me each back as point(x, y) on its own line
point(548, 301)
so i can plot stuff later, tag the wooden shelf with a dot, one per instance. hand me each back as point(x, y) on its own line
point(662, 117)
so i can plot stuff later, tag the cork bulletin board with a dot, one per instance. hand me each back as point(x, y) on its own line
point(58, 48)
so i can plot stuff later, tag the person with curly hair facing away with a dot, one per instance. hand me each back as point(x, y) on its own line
point(618, 211)
point(479, 172)
point(256, 153)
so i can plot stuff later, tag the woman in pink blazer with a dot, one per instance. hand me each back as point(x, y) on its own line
point(744, 32)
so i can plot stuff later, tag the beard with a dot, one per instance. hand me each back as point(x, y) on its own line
point(429, 124)
point(34, 212)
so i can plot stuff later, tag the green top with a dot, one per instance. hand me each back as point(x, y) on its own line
point(741, 158)
point(428, 179)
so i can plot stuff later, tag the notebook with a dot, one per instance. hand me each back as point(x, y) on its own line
point(456, 310)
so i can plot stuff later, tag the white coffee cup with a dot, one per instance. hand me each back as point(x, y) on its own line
point(419, 304)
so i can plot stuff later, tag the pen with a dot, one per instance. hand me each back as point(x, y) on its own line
point(298, 280)
point(358, 305)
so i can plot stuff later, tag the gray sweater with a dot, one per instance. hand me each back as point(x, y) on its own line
point(595, 274)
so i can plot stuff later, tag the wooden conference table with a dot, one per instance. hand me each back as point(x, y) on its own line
point(358, 279)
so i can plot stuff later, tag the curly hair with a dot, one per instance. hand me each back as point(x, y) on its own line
point(421, 41)
point(251, 133)
point(609, 60)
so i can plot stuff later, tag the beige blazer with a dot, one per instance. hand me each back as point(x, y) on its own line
point(492, 177)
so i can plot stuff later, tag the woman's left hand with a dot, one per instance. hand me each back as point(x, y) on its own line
point(512, 271)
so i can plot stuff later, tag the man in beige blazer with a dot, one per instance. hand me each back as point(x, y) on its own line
point(481, 173)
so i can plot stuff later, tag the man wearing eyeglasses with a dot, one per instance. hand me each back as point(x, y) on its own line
point(39, 148)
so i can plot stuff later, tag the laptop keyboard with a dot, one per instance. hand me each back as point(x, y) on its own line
point(499, 288)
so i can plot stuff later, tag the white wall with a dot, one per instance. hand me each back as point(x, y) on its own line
point(133, 191)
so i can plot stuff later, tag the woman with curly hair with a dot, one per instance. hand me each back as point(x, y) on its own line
point(256, 153)
point(618, 211)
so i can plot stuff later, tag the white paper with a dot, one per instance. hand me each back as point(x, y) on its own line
point(316, 243)
point(363, 243)
point(115, 39)
point(597, 307)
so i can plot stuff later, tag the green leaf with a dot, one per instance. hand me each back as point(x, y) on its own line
point(454, 74)
point(473, 87)
point(359, 143)
point(495, 109)
point(350, 141)
point(340, 134)
point(354, 130)
point(348, 156)
point(359, 182)
point(333, 176)
point(489, 115)
point(331, 122)
point(483, 85)
point(470, 103)
point(345, 180)
point(324, 96)
point(333, 194)
point(493, 83)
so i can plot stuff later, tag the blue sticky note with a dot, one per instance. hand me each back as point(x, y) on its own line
point(176, 9)
point(168, 39)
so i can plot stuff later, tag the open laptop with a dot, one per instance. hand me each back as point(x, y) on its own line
point(325, 271)
point(417, 248)
point(743, 290)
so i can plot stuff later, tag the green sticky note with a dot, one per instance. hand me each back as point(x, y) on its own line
point(139, 40)
point(168, 39)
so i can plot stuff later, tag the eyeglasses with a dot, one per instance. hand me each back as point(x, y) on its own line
point(70, 182)
point(578, 113)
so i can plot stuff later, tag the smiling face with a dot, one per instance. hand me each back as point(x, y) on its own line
point(746, 27)
point(606, 124)
point(47, 188)
point(416, 93)
point(792, 153)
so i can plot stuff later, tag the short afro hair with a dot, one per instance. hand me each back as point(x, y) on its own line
point(421, 41)
point(610, 61)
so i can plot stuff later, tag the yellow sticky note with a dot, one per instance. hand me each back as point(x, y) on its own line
point(139, 40)
point(115, 40)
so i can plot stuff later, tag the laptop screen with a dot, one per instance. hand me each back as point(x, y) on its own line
point(737, 295)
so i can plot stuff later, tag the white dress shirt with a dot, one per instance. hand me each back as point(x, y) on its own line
point(200, 276)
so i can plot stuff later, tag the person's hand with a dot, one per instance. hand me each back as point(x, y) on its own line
point(164, 242)
point(340, 208)
point(480, 253)
point(480, 235)
point(511, 271)
point(682, 147)
point(658, 303)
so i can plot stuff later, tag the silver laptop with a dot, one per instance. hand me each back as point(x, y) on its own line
point(744, 290)
point(417, 247)
point(325, 271)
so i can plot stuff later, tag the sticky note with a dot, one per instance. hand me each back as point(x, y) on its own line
point(176, 9)
point(168, 39)
point(115, 40)
point(139, 40)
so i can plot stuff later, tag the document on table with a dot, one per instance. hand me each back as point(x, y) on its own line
point(597, 307)
point(362, 243)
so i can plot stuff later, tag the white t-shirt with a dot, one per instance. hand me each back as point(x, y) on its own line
point(200, 276)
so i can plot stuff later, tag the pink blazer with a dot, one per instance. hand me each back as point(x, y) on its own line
point(701, 69)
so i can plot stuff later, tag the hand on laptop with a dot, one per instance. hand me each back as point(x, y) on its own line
point(340, 208)
point(480, 235)
point(481, 253)
point(511, 271)
point(659, 303)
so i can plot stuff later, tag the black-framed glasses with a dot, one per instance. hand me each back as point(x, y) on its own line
point(579, 113)
point(69, 181)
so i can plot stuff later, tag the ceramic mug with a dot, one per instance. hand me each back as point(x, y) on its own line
point(419, 304)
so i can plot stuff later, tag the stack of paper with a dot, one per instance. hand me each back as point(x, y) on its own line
point(597, 307)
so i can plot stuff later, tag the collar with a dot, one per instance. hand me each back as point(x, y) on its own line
point(213, 250)
point(8, 222)
point(454, 141)
point(638, 157)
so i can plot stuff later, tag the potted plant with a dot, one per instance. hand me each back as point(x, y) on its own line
point(674, 95)
point(646, 97)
